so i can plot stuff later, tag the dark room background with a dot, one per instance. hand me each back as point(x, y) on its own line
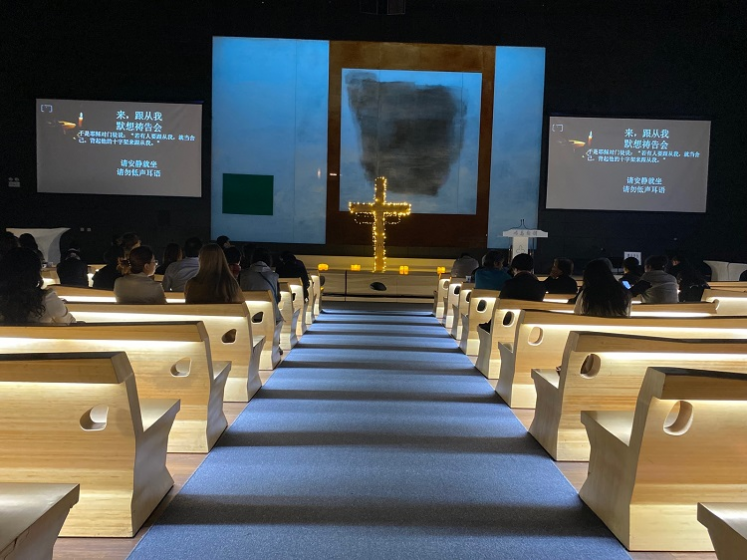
point(627, 59)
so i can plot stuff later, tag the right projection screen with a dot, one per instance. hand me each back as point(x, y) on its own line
point(627, 164)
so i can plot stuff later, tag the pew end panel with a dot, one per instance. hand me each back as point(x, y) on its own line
point(727, 526)
point(684, 445)
point(291, 315)
point(295, 286)
point(31, 516)
point(481, 304)
point(439, 297)
point(461, 307)
point(93, 430)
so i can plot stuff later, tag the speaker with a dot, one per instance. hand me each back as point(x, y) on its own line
point(383, 7)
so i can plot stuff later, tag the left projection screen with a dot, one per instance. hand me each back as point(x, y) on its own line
point(118, 148)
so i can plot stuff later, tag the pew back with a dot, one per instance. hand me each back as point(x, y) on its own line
point(604, 371)
point(541, 338)
point(170, 360)
point(229, 327)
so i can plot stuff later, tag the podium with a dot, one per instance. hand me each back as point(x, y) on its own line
point(520, 239)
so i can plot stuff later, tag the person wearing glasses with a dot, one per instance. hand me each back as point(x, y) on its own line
point(137, 284)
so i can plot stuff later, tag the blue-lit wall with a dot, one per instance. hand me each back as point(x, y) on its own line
point(517, 141)
point(270, 118)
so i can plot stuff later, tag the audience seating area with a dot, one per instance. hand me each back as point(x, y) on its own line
point(654, 402)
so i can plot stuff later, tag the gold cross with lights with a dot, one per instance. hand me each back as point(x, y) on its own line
point(379, 213)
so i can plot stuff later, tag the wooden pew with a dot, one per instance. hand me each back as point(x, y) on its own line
point(31, 516)
point(452, 299)
point(229, 326)
point(729, 303)
point(91, 295)
point(503, 325)
point(503, 330)
point(311, 304)
point(316, 282)
point(727, 526)
point(459, 308)
point(291, 315)
point(541, 338)
point(440, 295)
point(481, 304)
point(729, 286)
point(77, 417)
point(300, 304)
point(170, 360)
point(603, 371)
point(684, 443)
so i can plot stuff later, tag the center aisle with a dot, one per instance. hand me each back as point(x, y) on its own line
point(376, 438)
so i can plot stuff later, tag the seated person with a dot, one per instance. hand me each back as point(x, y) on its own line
point(491, 276)
point(524, 284)
point(177, 274)
point(137, 286)
point(291, 267)
point(691, 282)
point(259, 276)
point(214, 282)
point(464, 266)
point(71, 270)
point(656, 286)
point(23, 298)
point(29, 241)
point(105, 276)
point(561, 279)
point(233, 256)
point(171, 254)
point(631, 272)
point(601, 295)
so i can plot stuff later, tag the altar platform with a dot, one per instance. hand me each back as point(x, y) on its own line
point(341, 283)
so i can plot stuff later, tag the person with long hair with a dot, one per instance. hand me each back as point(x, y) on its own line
point(214, 281)
point(23, 298)
point(137, 284)
point(601, 295)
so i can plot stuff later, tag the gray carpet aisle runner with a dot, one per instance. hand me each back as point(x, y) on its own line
point(376, 438)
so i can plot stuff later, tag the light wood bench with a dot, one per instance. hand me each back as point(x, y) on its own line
point(729, 302)
point(311, 304)
point(541, 338)
point(461, 307)
point(729, 286)
point(727, 526)
point(300, 304)
point(91, 295)
point(503, 325)
point(481, 304)
point(229, 326)
point(684, 443)
point(77, 417)
point(316, 282)
point(604, 371)
point(439, 297)
point(31, 516)
point(291, 315)
point(452, 299)
point(170, 360)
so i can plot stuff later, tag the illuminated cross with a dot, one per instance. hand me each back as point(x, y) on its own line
point(379, 213)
